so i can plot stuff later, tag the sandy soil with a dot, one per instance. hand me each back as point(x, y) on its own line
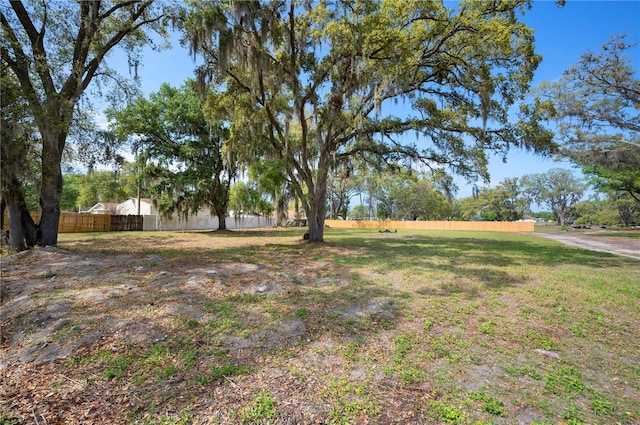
point(61, 307)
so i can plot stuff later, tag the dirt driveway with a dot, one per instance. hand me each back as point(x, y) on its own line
point(597, 240)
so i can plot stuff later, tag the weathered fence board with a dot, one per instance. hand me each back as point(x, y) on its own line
point(120, 223)
point(80, 223)
point(75, 223)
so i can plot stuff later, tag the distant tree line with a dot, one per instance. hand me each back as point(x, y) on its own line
point(385, 196)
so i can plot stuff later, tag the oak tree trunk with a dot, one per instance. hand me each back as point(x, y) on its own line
point(318, 209)
point(221, 213)
point(16, 236)
point(23, 232)
point(51, 190)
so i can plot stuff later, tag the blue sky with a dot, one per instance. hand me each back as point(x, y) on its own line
point(562, 35)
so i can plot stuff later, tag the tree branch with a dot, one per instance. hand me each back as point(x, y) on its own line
point(37, 46)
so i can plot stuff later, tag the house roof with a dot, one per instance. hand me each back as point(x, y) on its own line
point(109, 207)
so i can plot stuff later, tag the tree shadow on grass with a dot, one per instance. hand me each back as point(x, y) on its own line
point(477, 251)
point(462, 266)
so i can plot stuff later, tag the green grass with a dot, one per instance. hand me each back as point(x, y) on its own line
point(441, 327)
point(633, 234)
point(262, 410)
point(490, 404)
point(349, 401)
point(6, 420)
point(218, 372)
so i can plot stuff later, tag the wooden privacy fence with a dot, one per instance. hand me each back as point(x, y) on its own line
point(80, 223)
point(122, 223)
point(489, 226)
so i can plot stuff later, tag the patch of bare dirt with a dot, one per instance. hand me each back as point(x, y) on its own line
point(63, 312)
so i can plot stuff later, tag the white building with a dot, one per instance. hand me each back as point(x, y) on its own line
point(130, 207)
point(203, 220)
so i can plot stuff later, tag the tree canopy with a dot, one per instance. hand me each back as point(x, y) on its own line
point(184, 155)
point(597, 105)
point(558, 188)
point(55, 50)
point(505, 202)
point(317, 82)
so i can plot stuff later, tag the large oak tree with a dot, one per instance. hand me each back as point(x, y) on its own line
point(558, 189)
point(55, 50)
point(334, 70)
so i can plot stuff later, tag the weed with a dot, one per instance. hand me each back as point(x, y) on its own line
point(526, 311)
point(220, 310)
point(263, 407)
point(447, 413)
point(302, 313)
point(6, 420)
point(271, 309)
point(348, 402)
point(403, 344)
point(191, 358)
point(168, 372)
point(334, 315)
point(66, 331)
point(531, 372)
point(159, 352)
point(577, 330)
point(572, 416)
point(118, 366)
point(539, 340)
point(467, 309)
point(427, 324)
point(601, 406)
point(490, 404)
point(488, 328)
point(599, 403)
point(385, 322)
point(47, 275)
point(148, 419)
point(440, 348)
point(388, 370)
point(228, 370)
point(220, 355)
point(192, 324)
point(564, 379)
point(351, 350)
point(403, 295)
point(411, 375)
point(224, 324)
point(494, 406)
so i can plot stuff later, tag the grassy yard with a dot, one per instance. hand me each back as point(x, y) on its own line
point(421, 327)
